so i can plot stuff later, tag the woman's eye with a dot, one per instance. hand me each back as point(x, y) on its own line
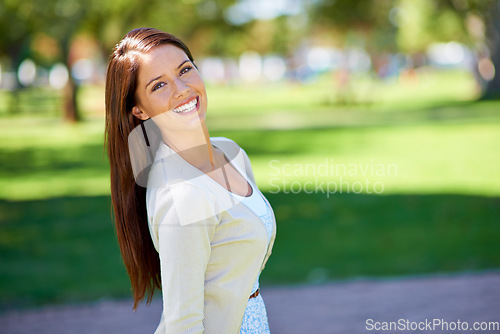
point(186, 69)
point(158, 86)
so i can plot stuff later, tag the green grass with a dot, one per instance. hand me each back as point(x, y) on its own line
point(58, 250)
point(64, 249)
point(421, 159)
point(43, 159)
point(429, 88)
point(438, 211)
point(460, 157)
point(361, 235)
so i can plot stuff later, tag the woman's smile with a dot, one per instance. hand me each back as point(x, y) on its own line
point(189, 107)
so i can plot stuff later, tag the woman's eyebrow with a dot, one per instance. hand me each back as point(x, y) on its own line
point(154, 79)
point(185, 61)
point(158, 77)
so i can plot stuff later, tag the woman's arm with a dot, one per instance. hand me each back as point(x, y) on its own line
point(186, 223)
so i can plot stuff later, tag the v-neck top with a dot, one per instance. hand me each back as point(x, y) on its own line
point(212, 243)
point(258, 204)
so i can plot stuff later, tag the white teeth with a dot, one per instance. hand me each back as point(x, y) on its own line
point(185, 108)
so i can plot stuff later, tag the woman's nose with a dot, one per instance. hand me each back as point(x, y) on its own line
point(181, 88)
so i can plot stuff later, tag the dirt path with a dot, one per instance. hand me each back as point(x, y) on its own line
point(338, 307)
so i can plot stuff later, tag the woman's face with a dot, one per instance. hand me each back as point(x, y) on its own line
point(170, 89)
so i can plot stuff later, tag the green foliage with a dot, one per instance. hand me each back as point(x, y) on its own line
point(421, 23)
point(107, 21)
point(348, 14)
point(415, 20)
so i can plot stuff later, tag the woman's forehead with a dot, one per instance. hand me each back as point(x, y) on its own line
point(167, 53)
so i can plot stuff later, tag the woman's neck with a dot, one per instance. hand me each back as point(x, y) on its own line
point(193, 146)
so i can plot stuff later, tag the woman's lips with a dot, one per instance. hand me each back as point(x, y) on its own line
point(187, 107)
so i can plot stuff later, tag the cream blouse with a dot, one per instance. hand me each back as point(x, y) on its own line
point(212, 247)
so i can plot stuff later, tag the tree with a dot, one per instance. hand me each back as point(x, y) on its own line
point(105, 21)
point(475, 23)
point(411, 26)
point(368, 19)
point(481, 21)
point(58, 19)
point(493, 33)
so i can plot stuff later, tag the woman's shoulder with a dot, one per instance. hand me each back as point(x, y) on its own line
point(230, 148)
point(222, 141)
point(179, 196)
point(235, 154)
point(183, 181)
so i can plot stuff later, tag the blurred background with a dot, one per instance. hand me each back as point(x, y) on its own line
point(373, 128)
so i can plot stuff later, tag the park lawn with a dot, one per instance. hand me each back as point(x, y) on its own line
point(64, 249)
point(439, 140)
point(438, 211)
point(426, 89)
point(457, 158)
point(438, 214)
point(461, 157)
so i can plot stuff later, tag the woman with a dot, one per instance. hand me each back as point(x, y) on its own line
point(189, 217)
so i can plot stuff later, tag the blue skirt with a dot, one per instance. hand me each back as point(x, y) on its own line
point(255, 318)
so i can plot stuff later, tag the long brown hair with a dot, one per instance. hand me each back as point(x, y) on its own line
point(128, 198)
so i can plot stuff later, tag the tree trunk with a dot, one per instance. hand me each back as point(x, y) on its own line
point(493, 32)
point(70, 105)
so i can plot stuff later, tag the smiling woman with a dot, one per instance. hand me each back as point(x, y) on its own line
point(168, 84)
point(189, 217)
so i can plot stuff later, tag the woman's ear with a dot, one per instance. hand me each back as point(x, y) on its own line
point(137, 112)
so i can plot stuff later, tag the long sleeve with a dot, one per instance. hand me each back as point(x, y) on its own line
point(211, 245)
point(185, 221)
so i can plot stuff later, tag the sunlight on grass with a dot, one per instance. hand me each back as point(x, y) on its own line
point(451, 158)
point(437, 148)
point(429, 158)
point(363, 91)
